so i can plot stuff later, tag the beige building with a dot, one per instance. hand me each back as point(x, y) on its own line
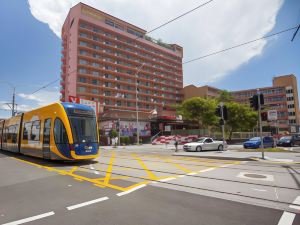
point(281, 96)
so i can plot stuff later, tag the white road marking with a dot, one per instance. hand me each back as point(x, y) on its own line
point(154, 182)
point(206, 170)
point(167, 179)
point(131, 190)
point(255, 189)
point(286, 218)
point(29, 219)
point(93, 168)
point(265, 177)
point(226, 165)
point(297, 203)
point(87, 203)
point(276, 193)
point(181, 176)
point(191, 173)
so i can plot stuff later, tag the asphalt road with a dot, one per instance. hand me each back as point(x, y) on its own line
point(125, 188)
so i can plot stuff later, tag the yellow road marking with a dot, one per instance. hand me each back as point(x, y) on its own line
point(184, 169)
point(109, 168)
point(151, 175)
point(74, 168)
point(63, 172)
point(114, 178)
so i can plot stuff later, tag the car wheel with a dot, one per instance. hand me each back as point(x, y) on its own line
point(220, 148)
point(292, 144)
point(198, 149)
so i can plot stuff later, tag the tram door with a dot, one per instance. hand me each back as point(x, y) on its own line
point(46, 139)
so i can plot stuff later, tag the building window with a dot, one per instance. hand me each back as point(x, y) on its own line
point(96, 47)
point(96, 56)
point(290, 98)
point(81, 89)
point(95, 29)
point(119, 103)
point(81, 70)
point(106, 102)
point(95, 38)
point(82, 52)
point(96, 64)
point(291, 106)
point(95, 91)
point(95, 82)
point(84, 35)
point(109, 22)
point(83, 25)
point(82, 79)
point(95, 73)
point(82, 43)
point(83, 62)
point(119, 27)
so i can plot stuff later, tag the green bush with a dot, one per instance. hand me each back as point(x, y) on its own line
point(113, 133)
point(125, 140)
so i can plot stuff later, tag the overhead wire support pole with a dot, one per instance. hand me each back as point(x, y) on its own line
point(295, 33)
point(223, 124)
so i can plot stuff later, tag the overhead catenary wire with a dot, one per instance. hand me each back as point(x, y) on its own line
point(239, 45)
point(176, 18)
point(45, 86)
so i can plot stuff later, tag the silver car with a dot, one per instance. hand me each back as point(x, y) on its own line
point(204, 143)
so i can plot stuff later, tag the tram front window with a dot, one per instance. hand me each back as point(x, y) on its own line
point(84, 129)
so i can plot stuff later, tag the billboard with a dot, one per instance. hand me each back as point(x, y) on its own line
point(95, 105)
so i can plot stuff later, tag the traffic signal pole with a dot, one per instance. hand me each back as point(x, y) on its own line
point(223, 124)
point(260, 125)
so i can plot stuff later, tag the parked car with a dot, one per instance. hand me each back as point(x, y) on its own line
point(289, 141)
point(256, 142)
point(204, 143)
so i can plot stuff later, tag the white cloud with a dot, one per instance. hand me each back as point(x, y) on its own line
point(217, 25)
point(40, 98)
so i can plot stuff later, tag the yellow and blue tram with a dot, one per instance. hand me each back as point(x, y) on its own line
point(60, 131)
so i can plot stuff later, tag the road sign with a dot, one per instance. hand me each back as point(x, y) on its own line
point(272, 115)
point(74, 99)
point(89, 103)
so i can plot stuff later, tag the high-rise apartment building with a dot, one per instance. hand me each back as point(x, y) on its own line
point(281, 96)
point(104, 58)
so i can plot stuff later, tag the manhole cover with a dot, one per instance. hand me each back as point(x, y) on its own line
point(253, 175)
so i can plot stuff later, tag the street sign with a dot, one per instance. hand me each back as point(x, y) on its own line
point(73, 99)
point(272, 115)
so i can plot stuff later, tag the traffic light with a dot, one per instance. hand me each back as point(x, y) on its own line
point(262, 99)
point(225, 113)
point(254, 102)
point(221, 122)
point(264, 116)
point(218, 111)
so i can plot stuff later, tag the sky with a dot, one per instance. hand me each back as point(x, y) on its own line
point(31, 46)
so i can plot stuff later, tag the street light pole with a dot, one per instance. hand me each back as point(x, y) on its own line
point(223, 123)
point(136, 106)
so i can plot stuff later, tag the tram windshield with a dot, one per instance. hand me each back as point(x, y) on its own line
point(84, 129)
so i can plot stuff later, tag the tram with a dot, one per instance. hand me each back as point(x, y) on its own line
point(60, 131)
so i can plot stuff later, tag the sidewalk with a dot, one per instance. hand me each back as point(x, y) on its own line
point(276, 157)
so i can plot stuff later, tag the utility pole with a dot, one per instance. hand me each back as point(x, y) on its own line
point(137, 106)
point(119, 136)
point(13, 103)
point(260, 125)
point(223, 123)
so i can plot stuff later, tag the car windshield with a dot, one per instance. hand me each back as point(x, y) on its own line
point(285, 138)
point(84, 129)
point(201, 140)
point(255, 139)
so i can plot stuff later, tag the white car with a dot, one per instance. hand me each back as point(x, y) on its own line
point(204, 143)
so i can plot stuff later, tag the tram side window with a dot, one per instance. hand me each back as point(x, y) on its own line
point(60, 133)
point(5, 135)
point(35, 131)
point(14, 134)
point(27, 130)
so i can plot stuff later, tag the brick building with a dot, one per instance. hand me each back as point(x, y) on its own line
point(114, 63)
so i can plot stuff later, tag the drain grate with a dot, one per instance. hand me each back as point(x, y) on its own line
point(253, 175)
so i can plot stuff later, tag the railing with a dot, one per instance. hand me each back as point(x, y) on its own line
point(155, 136)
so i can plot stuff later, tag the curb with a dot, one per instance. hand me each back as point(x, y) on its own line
point(217, 157)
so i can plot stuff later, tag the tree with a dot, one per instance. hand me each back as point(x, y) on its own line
point(113, 133)
point(200, 110)
point(240, 118)
point(225, 96)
